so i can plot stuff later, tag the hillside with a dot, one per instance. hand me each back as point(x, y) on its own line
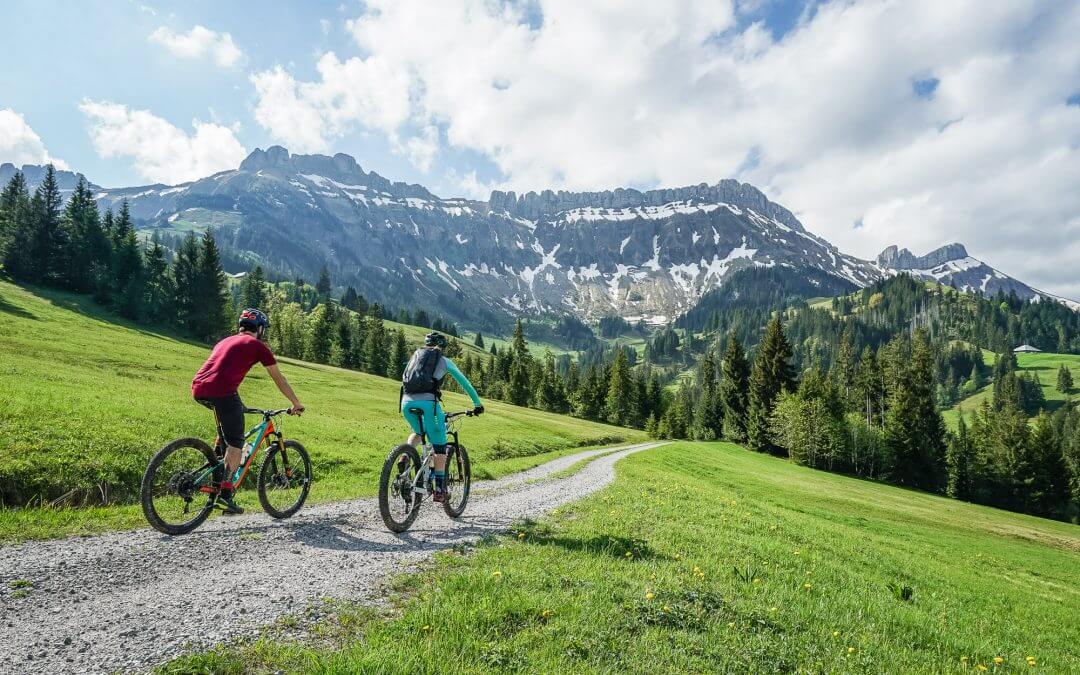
point(709, 558)
point(1044, 365)
point(87, 400)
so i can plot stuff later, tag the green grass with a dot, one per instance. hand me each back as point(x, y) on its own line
point(1046, 365)
point(709, 558)
point(87, 400)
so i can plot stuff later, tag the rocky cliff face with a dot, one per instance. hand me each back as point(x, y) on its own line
point(637, 254)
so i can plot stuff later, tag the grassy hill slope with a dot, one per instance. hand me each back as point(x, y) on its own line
point(710, 558)
point(1046, 365)
point(85, 401)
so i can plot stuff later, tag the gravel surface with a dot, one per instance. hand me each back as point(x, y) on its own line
point(128, 600)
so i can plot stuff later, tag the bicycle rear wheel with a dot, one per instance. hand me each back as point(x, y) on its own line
point(172, 495)
point(458, 480)
point(398, 504)
point(285, 480)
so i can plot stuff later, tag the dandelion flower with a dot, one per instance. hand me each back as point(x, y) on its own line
point(629, 554)
point(426, 629)
point(649, 595)
point(547, 612)
point(678, 556)
point(496, 573)
point(981, 667)
point(521, 535)
point(756, 580)
point(731, 624)
point(963, 659)
point(774, 609)
point(807, 586)
point(850, 650)
point(998, 660)
point(836, 633)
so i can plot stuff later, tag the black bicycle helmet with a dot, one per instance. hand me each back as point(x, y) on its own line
point(253, 320)
point(434, 340)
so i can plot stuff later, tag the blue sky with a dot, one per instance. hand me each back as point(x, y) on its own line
point(875, 121)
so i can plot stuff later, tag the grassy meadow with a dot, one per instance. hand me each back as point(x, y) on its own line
point(1045, 365)
point(86, 400)
point(710, 558)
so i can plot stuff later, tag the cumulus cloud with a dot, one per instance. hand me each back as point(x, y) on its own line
point(833, 119)
point(197, 43)
point(161, 152)
point(19, 144)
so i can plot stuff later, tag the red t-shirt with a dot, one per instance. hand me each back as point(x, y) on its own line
point(228, 364)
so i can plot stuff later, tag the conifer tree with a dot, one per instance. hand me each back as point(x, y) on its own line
point(321, 334)
point(49, 246)
point(343, 342)
point(376, 352)
point(15, 228)
point(1064, 380)
point(350, 300)
point(479, 341)
point(734, 386)
point(89, 247)
point(520, 366)
point(185, 275)
point(399, 356)
point(771, 375)
point(211, 292)
point(253, 289)
point(159, 287)
point(708, 413)
point(958, 464)
point(323, 286)
point(618, 408)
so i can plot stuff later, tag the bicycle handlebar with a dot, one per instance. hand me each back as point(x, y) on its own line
point(466, 413)
point(266, 413)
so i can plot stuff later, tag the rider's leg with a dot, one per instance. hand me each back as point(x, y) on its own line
point(230, 414)
point(414, 440)
point(436, 428)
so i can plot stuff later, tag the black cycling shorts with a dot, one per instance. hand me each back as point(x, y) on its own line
point(229, 412)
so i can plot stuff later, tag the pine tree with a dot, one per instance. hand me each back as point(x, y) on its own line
point(519, 387)
point(550, 393)
point(771, 375)
point(376, 352)
point(708, 413)
point(618, 408)
point(479, 341)
point(734, 385)
point(958, 464)
point(323, 286)
point(399, 356)
point(914, 430)
point(211, 292)
point(49, 246)
point(15, 228)
point(321, 335)
point(89, 248)
point(185, 275)
point(158, 284)
point(253, 289)
point(350, 300)
point(1064, 380)
point(343, 342)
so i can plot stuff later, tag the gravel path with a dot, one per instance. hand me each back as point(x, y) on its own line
point(126, 600)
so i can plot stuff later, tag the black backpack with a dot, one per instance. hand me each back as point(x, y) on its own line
point(419, 375)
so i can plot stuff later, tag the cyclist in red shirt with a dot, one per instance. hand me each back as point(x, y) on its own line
point(216, 387)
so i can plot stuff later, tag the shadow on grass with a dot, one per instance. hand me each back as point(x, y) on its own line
point(606, 545)
point(8, 308)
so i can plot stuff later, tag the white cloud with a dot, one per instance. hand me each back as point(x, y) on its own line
point(19, 144)
point(161, 151)
point(565, 94)
point(306, 115)
point(197, 43)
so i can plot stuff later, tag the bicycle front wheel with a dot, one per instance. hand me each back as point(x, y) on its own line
point(172, 493)
point(285, 480)
point(398, 504)
point(458, 480)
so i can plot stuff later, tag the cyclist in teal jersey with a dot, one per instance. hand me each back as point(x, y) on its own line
point(421, 388)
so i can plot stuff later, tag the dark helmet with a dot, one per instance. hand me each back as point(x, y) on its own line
point(253, 320)
point(435, 340)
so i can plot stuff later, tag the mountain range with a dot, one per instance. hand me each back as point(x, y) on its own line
point(636, 254)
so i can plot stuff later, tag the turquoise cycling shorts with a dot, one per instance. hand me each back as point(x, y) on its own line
point(434, 421)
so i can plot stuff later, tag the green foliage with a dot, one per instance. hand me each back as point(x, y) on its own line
point(81, 416)
point(772, 375)
point(825, 549)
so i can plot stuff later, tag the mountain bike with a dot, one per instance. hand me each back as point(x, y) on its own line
point(407, 477)
point(180, 486)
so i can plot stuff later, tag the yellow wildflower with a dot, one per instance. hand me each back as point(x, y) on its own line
point(629, 554)
point(756, 580)
point(836, 633)
point(496, 573)
point(998, 660)
point(850, 650)
point(963, 659)
point(981, 667)
point(696, 569)
point(731, 624)
point(547, 612)
point(649, 595)
point(426, 629)
point(807, 586)
point(666, 608)
point(521, 535)
point(774, 609)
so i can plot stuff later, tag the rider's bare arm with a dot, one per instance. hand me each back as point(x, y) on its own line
point(283, 386)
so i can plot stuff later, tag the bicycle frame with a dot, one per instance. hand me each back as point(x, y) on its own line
point(429, 450)
point(262, 431)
